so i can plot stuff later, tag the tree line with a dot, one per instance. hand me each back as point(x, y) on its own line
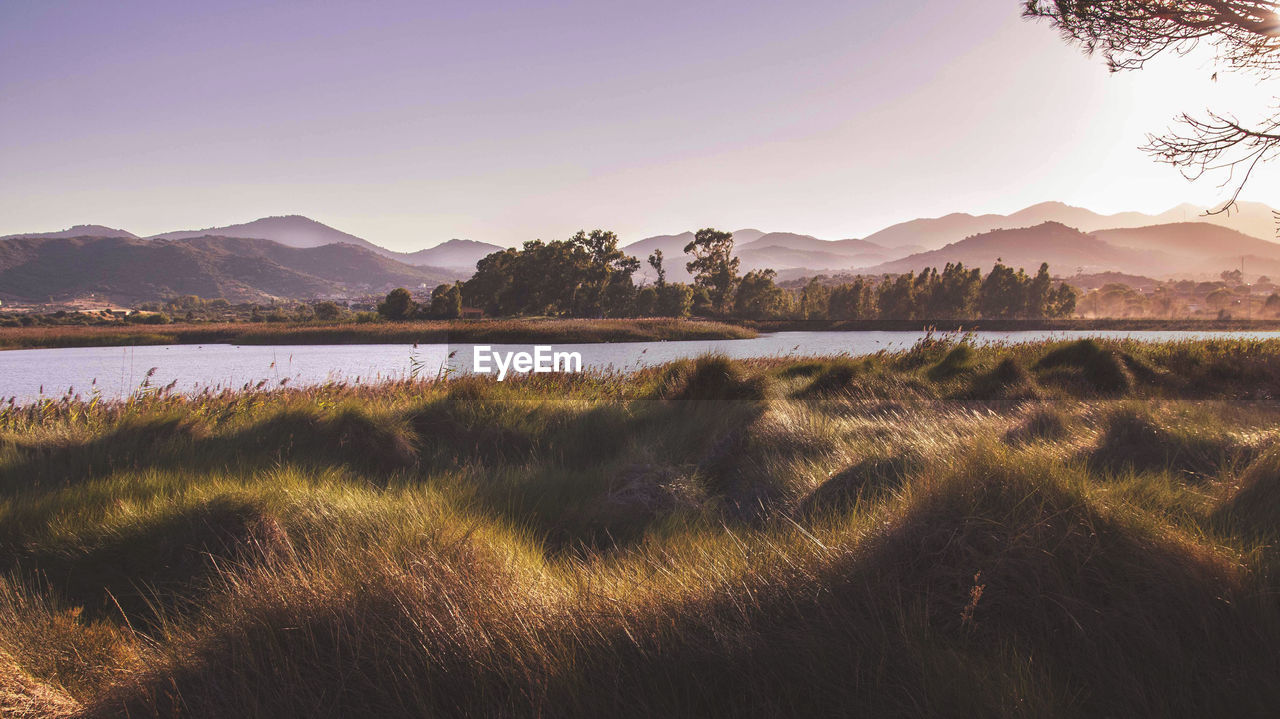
point(589, 275)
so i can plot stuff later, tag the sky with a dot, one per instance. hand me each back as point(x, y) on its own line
point(409, 123)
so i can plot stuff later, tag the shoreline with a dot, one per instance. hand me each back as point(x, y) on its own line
point(542, 330)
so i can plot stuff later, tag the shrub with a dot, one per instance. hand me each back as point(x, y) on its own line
point(714, 377)
point(867, 476)
point(958, 361)
point(1103, 370)
point(836, 376)
point(753, 468)
point(1132, 440)
point(1008, 381)
point(1044, 423)
point(1253, 508)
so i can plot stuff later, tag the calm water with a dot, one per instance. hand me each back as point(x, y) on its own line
point(116, 372)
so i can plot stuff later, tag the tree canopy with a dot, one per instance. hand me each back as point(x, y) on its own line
point(713, 265)
point(588, 275)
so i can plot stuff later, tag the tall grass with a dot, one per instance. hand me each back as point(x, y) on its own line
point(820, 536)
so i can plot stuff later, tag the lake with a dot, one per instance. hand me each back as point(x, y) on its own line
point(117, 372)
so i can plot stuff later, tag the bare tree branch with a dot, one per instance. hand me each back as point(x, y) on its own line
point(1128, 33)
point(1217, 143)
point(1245, 34)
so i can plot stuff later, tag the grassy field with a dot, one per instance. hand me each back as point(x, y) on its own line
point(496, 330)
point(1053, 530)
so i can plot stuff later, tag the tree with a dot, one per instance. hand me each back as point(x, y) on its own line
point(620, 294)
point(713, 267)
point(1001, 294)
point(852, 301)
point(1063, 302)
point(586, 275)
point(1039, 294)
point(488, 288)
point(1220, 298)
point(675, 300)
point(896, 297)
point(1245, 35)
point(605, 264)
point(956, 293)
point(540, 278)
point(646, 302)
point(399, 305)
point(815, 300)
point(700, 301)
point(327, 311)
point(759, 298)
point(547, 279)
point(655, 261)
point(446, 302)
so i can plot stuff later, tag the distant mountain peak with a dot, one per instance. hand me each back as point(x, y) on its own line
point(456, 253)
point(1048, 205)
point(290, 230)
point(456, 242)
point(76, 231)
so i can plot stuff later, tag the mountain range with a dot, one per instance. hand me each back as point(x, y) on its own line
point(301, 232)
point(128, 270)
point(1251, 218)
point(295, 256)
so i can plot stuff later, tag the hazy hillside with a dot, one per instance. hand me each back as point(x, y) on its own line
point(907, 243)
point(747, 236)
point(76, 231)
point(1094, 280)
point(1192, 240)
point(671, 245)
point(454, 253)
point(341, 263)
point(1067, 251)
point(1196, 250)
point(303, 232)
point(809, 243)
point(759, 250)
point(789, 251)
point(1253, 218)
point(783, 258)
point(129, 270)
point(290, 230)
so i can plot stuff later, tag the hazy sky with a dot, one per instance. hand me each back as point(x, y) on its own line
point(412, 122)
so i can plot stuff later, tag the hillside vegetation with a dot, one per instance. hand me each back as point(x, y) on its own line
point(1052, 530)
point(127, 270)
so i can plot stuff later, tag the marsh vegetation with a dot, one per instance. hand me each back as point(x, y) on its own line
point(1054, 529)
point(527, 330)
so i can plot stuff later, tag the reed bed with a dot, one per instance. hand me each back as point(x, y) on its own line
point(522, 330)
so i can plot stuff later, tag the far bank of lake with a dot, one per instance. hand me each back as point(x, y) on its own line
point(530, 330)
point(559, 331)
